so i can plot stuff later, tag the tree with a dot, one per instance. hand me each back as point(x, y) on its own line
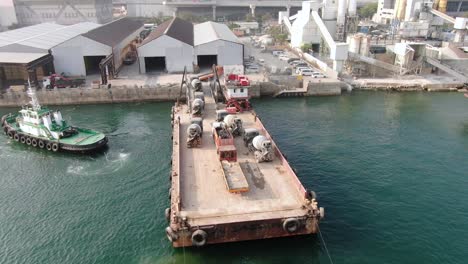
point(277, 34)
point(266, 17)
point(233, 26)
point(368, 10)
point(306, 47)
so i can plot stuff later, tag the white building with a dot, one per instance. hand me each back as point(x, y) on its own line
point(25, 52)
point(147, 8)
point(303, 28)
point(7, 17)
point(30, 12)
point(176, 44)
point(216, 44)
point(169, 47)
point(87, 50)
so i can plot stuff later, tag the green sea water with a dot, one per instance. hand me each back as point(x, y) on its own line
point(391, 170)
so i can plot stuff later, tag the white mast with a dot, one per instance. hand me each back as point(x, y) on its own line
point(32, 94)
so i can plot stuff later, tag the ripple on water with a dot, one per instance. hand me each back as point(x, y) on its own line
point(113, 163)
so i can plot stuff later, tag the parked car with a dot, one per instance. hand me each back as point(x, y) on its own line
point(130, 58)
point(283, 57)
point(277, 52)
point(306, 72)
point(252, 69)
point(300, 65)
point(293, 63)
point(261, 61)
point(318, 75)
point(299, 69)
point(293, 59)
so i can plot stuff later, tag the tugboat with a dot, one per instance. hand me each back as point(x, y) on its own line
point(40, 127)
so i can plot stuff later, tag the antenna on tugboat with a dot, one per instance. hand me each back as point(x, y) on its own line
point(32, 94)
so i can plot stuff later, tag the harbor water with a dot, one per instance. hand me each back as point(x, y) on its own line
point(391, 170)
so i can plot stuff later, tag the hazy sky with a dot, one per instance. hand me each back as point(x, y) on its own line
point(6, 2)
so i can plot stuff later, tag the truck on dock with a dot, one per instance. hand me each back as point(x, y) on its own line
point(217, 200)
point(60, 81)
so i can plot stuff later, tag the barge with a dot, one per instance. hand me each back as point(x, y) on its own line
point(221, 191)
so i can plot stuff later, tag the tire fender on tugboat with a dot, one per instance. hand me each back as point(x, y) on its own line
point(55, 147)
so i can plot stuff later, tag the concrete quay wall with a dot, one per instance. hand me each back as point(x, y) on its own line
point(408, 87)
point(124, 94)
point(71, 96)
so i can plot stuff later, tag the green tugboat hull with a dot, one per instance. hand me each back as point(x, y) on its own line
point(84, 140)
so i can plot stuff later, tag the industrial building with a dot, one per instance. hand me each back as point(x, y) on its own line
point(25, 53)
point(216, 44)
point(177, 44)
point(8, 16)
point(169, 47)
point(77, 50)
point(31, 12)
point(88, 50)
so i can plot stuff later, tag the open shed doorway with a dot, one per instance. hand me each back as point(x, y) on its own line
point(155, 64)
point(207, 61)
point(92, 64)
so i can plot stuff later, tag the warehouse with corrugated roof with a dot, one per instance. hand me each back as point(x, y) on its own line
point(176, 44)
point(98, 51)
point(216, 44)
point(25, 52)
point(168, 48)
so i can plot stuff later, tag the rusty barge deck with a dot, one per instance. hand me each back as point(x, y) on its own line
point(204, 211)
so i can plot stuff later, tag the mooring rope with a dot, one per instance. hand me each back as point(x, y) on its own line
point(324, 244)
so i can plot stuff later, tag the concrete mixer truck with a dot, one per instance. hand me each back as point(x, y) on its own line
point(196, 84)
point(249, 135)
point(194, 135)
point(263, 149)
point(197, 107)
point(234, 124)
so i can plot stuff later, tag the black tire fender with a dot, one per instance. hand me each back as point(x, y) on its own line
point(23, 139)
point(171, 235)
point(199, 238)
point(16, 137)
point(28, 141)
point(41, 144)
point(310, 195)
point(55, 147)
point(291, 225)
point(167, 214)
point(34, 142)
point(49, 146)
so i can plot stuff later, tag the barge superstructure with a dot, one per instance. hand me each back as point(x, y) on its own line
point(218, 198)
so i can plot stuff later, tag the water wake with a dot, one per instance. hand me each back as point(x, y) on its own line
point(112, 163)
